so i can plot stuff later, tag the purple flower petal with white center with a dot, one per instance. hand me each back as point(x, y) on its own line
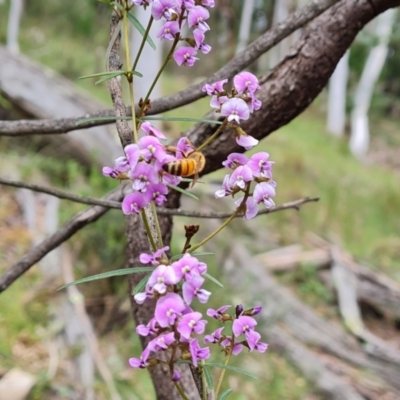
point(163, 9)
point(142, 361)
point(197, 352)
point(234, 160)
point(214, 337)
point(188, 267)
point(240, 176)
point(235, 109)
point(190, 323)
point(158, 192)
point(168, 309)
point(153, 259)
point(246, 141)
point(151, 130)
point(251, 207)
point(185, 56)
point(161, 342)
point(226, 188)
point(243, 325)
point(161, 277)
point(197, 17)
point(149, 329)
point(132, 152)
point(168, 30)
point(214, 88)
point(134, 202)
point(143, 175)
point(219, 313)
point(260, 164)
point(192, 289)
point(246, 82)
point(199, 37)
point(151, 148)
point(263, 193)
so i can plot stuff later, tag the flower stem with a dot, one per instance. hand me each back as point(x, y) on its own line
point(148, 230)
point(213, 136)
point(219, 229)
point(157, 224)
point(146, 34)
point(221, 377)
point(180, 390)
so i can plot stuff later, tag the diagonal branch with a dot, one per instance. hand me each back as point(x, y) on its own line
point(243, 59)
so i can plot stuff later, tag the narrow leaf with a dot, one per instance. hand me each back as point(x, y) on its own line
point(117, 272)
point(230, 368)
point(105, 2)
point(138, 288)
point(183, 191)
point(83, 121)
point(211, 278)
point(225, 394)
point(108, 73)
point(110, 77)
point(211, 121)
point(136, 23)
point(208, 376)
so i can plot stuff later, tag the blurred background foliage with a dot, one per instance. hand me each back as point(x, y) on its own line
point(359, 201)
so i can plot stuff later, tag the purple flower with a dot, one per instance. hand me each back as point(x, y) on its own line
point(134, 202)
point(184, 146)
point(253, 340)
point(168, 30)
point(215, 337)
point(149, 329)
point(199, 37)
point(168, 309)
point(219, 313)
point(251, 207)
point(254, 103)
point(162, 342)
point(217, 101)
point(197, 17)
point(149, 129)
point(234, 160)
point(158, 192)
point(197, 352)
point(243, 325)
point(214, 88)
point(263, 193)
point(151, 148)
point(185, 55)
point(188, 267)
point(110, 172)
point(143, 175)
point(246, 141)
point(153, 259)
point(235, 109)
point(163, 9)
point(240, 176)
point(189, 323)
point(161, 277)
point(132, 152)
point(142, 361)
point(192, 289)
point(260, 166)
point(253, 311)
point(246, 82)
point(226, 188)
point(176, 377)
point(207, 3)
point(237, 346)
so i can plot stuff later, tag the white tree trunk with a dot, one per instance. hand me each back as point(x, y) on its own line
point(359, 140)
point(14, 19)
point(337, 97)
point(281, 12)
point(245, 25)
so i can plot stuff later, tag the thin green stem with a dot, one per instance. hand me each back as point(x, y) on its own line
point(213, 136)
point(148, 230)
point(180, 390)
point(221, 377)
point(210, 236)
point(157, 223)
point(129, 76)
point(146, 34)
point(204, 382)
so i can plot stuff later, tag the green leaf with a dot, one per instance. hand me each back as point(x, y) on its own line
point(216, 281)
point(198, 254)
point(211, 121)
point(136, 23)
point(208, 376)
point(117, 272)
point(83, 121)
point(230, 368)
point(115, 73)
point(105, 2)
point(225, 394)
point(183, 191)
point(138, 288)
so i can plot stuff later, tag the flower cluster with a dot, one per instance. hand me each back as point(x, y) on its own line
point(257, 169)
point(176, 13)
point(175, 324)
point(143, 164)
point(237, 104)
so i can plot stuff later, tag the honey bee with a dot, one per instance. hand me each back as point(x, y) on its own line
point(191, 164)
